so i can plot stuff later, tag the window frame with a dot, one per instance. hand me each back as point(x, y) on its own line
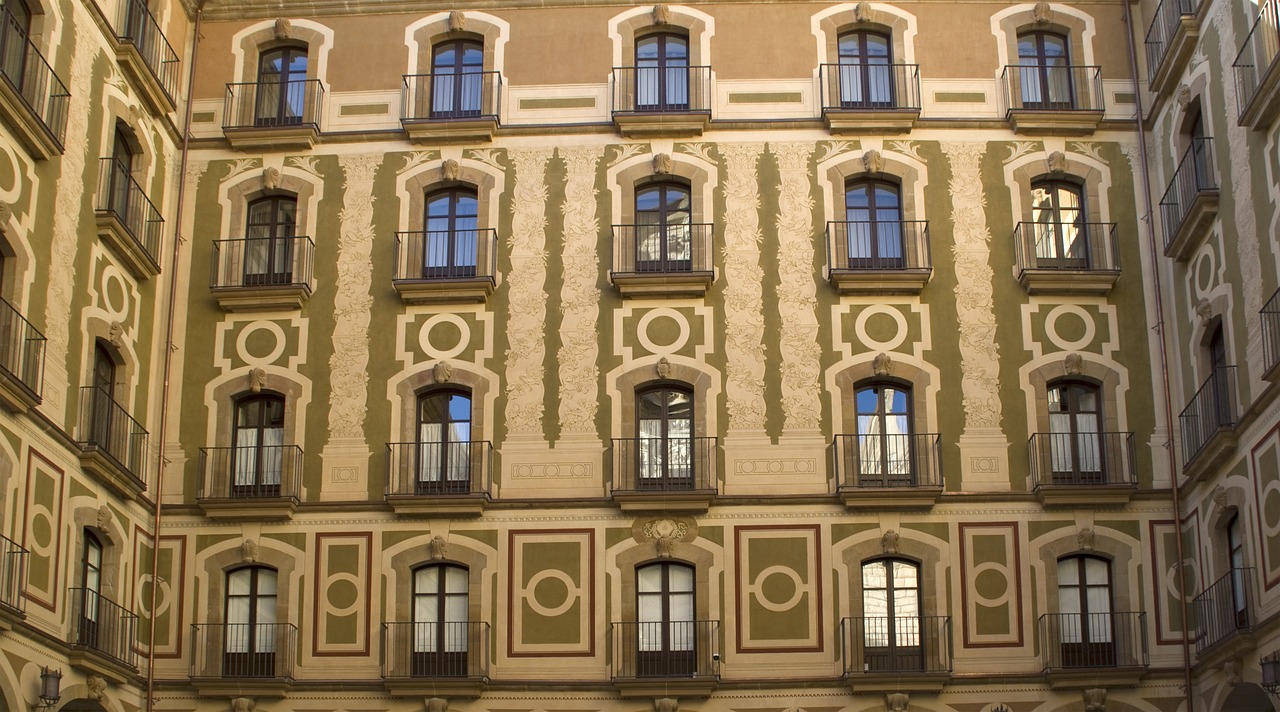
point(463, 95)
point(264, 113)
point(882, 476)
point(436, 462)
point(875, 88)
point(671, 79)
point(267, 469)
point(259, 655)
point(457, 234)
point(645, 469)
point(1043, 66)
point(274, 250)
point(666, 660)
point(1076, 389)
point(873, 241)
point(1078, 646)
point(444, 658)
point(892, 655)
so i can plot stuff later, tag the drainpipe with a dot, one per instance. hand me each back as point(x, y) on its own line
point(168, 358)
point(1157, 299)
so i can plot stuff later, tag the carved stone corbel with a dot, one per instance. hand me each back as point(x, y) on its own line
point(1220, 499)
point(882, 364)
point(862, 12)
point(270, 179)
point(449, 170)
point(1204, 310)
point(663, 368)
point(6, 213)
point(872, 161)
point(438, 548)
point(457, 21)
point(257, 380)
point(666, 704)
point(1084, 539)
point(1072, 364)
point(243, 704)
point(103, 518)
point(1056, 162)
point(897, 702)
point(662, 164)
point(661, 15)
point(115, 334)
point(248, 555)
point(283, 29)
point(97, 688)
point(442, 372)
point(889, 542)
point(1183, 96)
point(1095, 699)
point(1042, 13)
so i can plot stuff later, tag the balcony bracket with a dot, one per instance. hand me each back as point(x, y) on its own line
point(435, 131)
point(1263, 108)
point(26, 126)
point(1194, 226)
point(92, 662)
point(1060, 281)
point(654, 687)
point(1217, 450)
point(272, 298)
point(249, 508)
point(140, 76)
point(662, 124)
point(436, 291)
point(457, 505)
point(97, 462)
point(113, 232)
point(242, 686)
point(255, 138)
point(1088, 677)
point(879, 683)
point(664, 501)
point(880, 281)
point(467, 688)
point(1054, 122)
point(858, 121)
point(1181, 45)
point(1085, 494)
point(665, 284)
point(880, 498)
point(15, 395)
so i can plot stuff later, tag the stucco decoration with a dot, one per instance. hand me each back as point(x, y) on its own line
point(663, 368)
point(862, 12)
point(249, 551)
point(1231, 671)
point(665, 533)
point(897, 702)
point(103, 516)
point(442, 372)
point(97, 688)
point(872, 161)
point(243, 704)
point(666, 704)
point(1220, 497)
point(580, 296)
point(1204, 310)
point(436, 704)
point(115, 334)
point(283, 29)
point(661, 15)
point(1042, 13)
point(797, 291)
point(449, 169)
point(6, 213)
point(889, 542)
point(1072, 364)
point(526, 347)
point(979, 354)
point(270, 179)
point(1056, 162)
point(1095, 699)
point(257, 380)
point(1183, 96)
point(1084, 539)
point(457, 21)
point(662, 163)
point(353, 299)
point(438, 548)
point(743, 287)
point(882, 365)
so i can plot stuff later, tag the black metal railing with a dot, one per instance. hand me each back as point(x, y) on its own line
point(870, 87)
point(1270, 316)
point(25, 69)
point(661, 89)
point(669, 464)
point(898, 644)
point(1212, 408)
point(139, 26)
point(882, 246)
point(1163, 27)
point(1052, 87)
point(250, 472)
point(262, 262)
point(433, 255)
point(120, 195)
point(1093, 640)
point(250, 105)
point(1081, 459)
point(1087, 247)
point(662, 249)
point(13, 575)
point(1257, 55)
point(249, 650)
point(1224, 608)
point(438, 469)
point(1194, 176)
point(451, 96)
point(102, 625)
point(449, 650)
point(676, 649)
point(21, 349)
point(106, 426)
point(888, 460)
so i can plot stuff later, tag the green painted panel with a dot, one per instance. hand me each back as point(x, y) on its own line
point(766, 97)
point(1129, 527)
point(992, 620)
point(712, 534)
point(204, 541)
point(615, 535)
point(203, 117)
point(364, 109)
point(937, 530)
point(393, 538)
point(1037, 528)
point(79, 489)
point(486, 537)
point(840, 532)
point(297, 541)
point(959, 97)
point(559, 102)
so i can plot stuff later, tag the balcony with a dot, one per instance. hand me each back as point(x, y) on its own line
point(439, 477)
point(445, 265)
point(33, 100)
point(262, 274)
point(1066, 258)
point(663, 260)
point(146, 56)
point(451, 107)
point(1190, 203)
point(1258, 73)
point(113, 446)
point(250, 482)
point(243, 659)
point(1171, 38)
point(1082, 468)
point(127, 220)
point(899, 654)
point(651, 102)
point(436, 659)
point(667, 474)
point(13, 583)
point(21, 360)
point(1057, 99)
point(103, 635)
point(1224, 614)
point(890, 257)
point(1270, 316)
point(665, 659)
point(870, 98)
point(880, 471)
point(1209, 423)
point(273, 115)
point(1081, 650)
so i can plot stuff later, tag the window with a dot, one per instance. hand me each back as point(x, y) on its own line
point(14, 36)
point(664, 425)
point(1086, 628)
point(665, 615)
point(885, 453)
point(1220, 374)
point(270, 229)
point(440, 633)
point(103, 395)
point(866, 72)
point(282, 87)
point(663, 237)
point(1058, 214)
point(451, 238)
point(1075, 442)
point(120, 186)
point(91, 581)
point(662, 73)
point(258, 446)
point(250, 642)
point(444, 443)
point(457, 79)
point(891, 613)
point(1045, 71)
point(1199, 150)
point(873, 214)
point(1235, 553)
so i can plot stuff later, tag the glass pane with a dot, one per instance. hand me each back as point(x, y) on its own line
point(649, 579)
point(680, 579)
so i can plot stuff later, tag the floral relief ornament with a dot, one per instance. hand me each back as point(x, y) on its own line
point(665, 533)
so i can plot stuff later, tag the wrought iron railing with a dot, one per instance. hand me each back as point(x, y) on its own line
point(139, 26)
point(1093, 640)
point(1257, 55)
point(1212, 408)
point(899, 644)
point(661, 89)
point(1194, 176)
point(21, 349)
point(439, 469)
point(673, 649)
point(436, 255)
point(31, 77)
point(1224, 608)
point(1051, 87)
point(107, 427)
point(120, 195)
point(888, 460)
point(671, 464)
point(102, 625)
point(13, 575)
point(662, 249)
point(250, 472)
point(1081, 459)
point(451, 96)
point(881, 246)
point(262, 262)
point(1087, 247)
point(1270, 316)
point(870, 87)
point(243, 650)
point(259, 105)
point(427, 650)
point(1164, 25)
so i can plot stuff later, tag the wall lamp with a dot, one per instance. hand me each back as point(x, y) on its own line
point(1271, 673)
point(50, 682)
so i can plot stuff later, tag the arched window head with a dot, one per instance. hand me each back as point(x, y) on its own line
point(885, 451)
point(440, 640)
point(282, 88)
point(1078, 451)
point(444, 449)
point(457, 79)
point(1060, 234)
point(1044, 71)
point(1236, 562)
point(662, 72)
point(866, 71)
point(1084, 625)
point(259, 452)
point(450, 240)
point(663, 238)
point(667, 638)
point(90, 603)
point(252, 635)
point(106, 426)
point(665, 449)
point(270, 227)
point(891, 637)
point(873, 227)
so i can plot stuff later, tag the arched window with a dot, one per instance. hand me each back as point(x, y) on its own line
point(451, 238)
point(258, 446)
point(666, 639)
point(121, 178)
point(1058, 211)
point(662, 73)
point(866, 72)
point(1086, 628)
point(1075, 437)
point(885, 453)
point(282, 87)
point(102, 397)
point(444, 443)
point(1220, 381)
point(873, 215)
point(1235, 559)
point(91, 582)
point(891, 637)
point(269, 232)
point(663, 225)
point(440, 631)
point(457, 79)
point(249, 645)
point(664, 431)
point(1045, 71)
point(16, 31)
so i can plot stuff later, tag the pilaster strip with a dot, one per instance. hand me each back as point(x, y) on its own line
point(580, 300)
point(526, 347)
point(797, 293)
point(353, 301)
point(743, 290)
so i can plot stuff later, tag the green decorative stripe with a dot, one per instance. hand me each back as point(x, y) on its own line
point(959, 97)
point(771, 97)
point(202, 117)
point(1126, 98)
point(560, 102)
point(364, 109)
